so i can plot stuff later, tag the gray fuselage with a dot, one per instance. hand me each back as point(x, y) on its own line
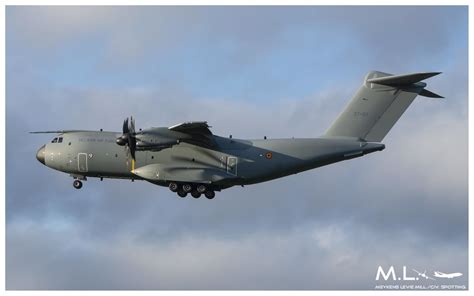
point(235, 162)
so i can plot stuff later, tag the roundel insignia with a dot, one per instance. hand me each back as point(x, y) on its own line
point(268, 155)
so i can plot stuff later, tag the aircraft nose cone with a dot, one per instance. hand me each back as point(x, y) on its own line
point(40, 154)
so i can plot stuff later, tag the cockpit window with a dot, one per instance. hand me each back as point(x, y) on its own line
point(60, 139)
point(55, 140)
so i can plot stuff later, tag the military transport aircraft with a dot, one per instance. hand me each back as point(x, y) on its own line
point(188, 158)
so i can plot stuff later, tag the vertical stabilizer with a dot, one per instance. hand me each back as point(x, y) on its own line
point(378, 104)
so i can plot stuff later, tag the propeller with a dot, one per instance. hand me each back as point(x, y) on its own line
point(128, 137)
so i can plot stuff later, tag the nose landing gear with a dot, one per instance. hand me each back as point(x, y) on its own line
point(77, 184)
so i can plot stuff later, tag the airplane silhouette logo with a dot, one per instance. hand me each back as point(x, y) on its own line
point(440, 274)
point(423, 275)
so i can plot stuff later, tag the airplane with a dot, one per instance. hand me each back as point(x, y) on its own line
point(423, 275)
point(188, 158)
point(440, 274)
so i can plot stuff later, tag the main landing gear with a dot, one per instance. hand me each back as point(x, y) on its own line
point(196, 190)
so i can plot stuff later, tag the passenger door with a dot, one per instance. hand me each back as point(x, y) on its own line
point(82, 162)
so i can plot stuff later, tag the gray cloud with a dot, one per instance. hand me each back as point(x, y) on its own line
point(405, 205)
point(391, 39)
point(255, 261)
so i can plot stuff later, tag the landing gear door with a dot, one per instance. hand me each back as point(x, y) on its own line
point(232, 165)
point(82, 162)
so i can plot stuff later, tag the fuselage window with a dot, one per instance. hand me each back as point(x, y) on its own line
point(60, 140)
point(55, 140)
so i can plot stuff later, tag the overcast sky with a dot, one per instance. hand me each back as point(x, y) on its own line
point(250, 72)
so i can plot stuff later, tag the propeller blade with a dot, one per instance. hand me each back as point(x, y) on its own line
point(132, 126)
point(132, 140)
point(125, 126)
point(132, 148)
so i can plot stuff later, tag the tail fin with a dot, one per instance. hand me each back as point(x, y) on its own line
point(378, 104)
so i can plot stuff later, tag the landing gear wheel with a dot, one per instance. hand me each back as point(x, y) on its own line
point(195, 194)
point(181, 193)
point(210, 194)
point(173, 187)
point(77, 184)
point(187, 188)
point(201, 188)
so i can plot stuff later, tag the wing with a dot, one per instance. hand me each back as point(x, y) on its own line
point(192, 127)
point(197, 130)
point(58, 132)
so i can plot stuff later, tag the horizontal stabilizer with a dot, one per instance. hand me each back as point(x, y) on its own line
point(430, 94)
point(402, 80)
